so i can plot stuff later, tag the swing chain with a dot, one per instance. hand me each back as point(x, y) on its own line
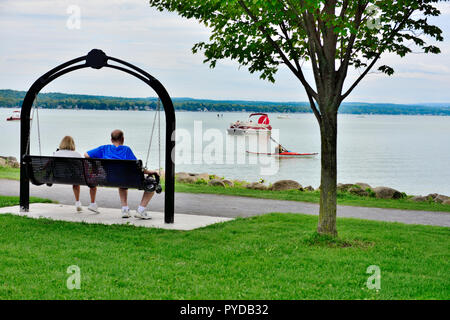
point(35, 108)
point(39, 130)
point(151, 135)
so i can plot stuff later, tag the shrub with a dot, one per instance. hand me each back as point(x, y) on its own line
point(201, 181)
point(370, 192)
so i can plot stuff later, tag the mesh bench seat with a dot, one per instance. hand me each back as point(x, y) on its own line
point(85, 171)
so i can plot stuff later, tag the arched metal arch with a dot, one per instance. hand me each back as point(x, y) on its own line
point(97, 59)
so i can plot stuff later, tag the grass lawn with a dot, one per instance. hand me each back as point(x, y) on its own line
point(9, 173)
point(8, 201)
point(274, 256)
point(314, 196)
point(294, 195)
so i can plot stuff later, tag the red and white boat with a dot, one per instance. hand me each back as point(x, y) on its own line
point(14, 116)
point(250, 127)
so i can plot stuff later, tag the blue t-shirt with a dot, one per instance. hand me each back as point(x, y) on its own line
point(110, 151)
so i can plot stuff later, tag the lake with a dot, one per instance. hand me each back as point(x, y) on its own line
point(409, 153)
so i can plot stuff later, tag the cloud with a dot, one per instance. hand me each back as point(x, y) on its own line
point(35, 38)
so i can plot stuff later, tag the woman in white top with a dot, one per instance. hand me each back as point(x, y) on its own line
point(67, 149)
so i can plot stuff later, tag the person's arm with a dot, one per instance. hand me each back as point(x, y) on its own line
point(94, 153)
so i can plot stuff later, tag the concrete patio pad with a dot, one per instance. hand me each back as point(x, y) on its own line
point(111, 216)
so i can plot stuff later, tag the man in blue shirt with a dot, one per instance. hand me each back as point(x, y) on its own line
point(117, 150)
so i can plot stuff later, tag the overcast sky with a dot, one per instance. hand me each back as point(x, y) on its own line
point(35, 38)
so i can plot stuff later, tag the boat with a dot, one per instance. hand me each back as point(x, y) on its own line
point(283, 116)
point(14, 116)
point(250, 127)
point(286, 154)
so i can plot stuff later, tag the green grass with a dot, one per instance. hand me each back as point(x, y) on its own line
point(8, 201)
point(274, 256)
point(294, 195)
point(9, 173)
point(314, 196)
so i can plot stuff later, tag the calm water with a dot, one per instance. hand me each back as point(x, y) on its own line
point(410, 153)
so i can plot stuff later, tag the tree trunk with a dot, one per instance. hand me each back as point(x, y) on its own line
point(328, 132)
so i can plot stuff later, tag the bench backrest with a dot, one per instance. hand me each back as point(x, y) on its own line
point(85, 171)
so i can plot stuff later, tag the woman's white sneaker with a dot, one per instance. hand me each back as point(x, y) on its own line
point(142, 215)
point(78, 206)
point(126, 213)
point(93, 207)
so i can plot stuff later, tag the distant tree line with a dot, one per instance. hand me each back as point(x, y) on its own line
point(13, 99)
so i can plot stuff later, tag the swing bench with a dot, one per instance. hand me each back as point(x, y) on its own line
point(92, 172)
point(89, 172)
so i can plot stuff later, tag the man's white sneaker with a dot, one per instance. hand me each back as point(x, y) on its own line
point(126, 213)
point(93, 207)
point(78, 206)
point(142, 215)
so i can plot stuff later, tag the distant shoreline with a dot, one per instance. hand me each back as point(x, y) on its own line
point(269, 112)
point(13, 99)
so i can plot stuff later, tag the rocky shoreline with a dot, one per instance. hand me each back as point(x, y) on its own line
point(358, 188)
point(9, 162)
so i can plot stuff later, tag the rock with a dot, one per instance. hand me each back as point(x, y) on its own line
point(363, 185)
point(186, 179)
point(432, 195)
point(286, 185)
point(441, 198)
point(446, 202)
point(387, 193)
point(228, 183)
point(203, 176)
point(358, 191)
point(418, 198)
point(216, 183)
point(343, 187)
point(191, 177)
point(181, 174)
point(15, 165)
point(309, 188)
point(256, 186)
point(9, 162)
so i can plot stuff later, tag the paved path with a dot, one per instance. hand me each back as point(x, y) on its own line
point(227, 206)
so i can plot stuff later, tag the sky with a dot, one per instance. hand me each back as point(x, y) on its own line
point(37, 35)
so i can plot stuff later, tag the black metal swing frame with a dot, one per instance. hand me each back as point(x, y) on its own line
point(97, 59)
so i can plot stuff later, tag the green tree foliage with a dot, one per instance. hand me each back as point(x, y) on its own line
point(331, 35)
point(13, 99)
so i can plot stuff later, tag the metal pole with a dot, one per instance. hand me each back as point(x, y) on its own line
point(25, 147)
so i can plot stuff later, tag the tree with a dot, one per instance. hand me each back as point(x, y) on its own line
point(331, 35)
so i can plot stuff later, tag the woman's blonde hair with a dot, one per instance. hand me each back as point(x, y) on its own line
point(67, 143)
